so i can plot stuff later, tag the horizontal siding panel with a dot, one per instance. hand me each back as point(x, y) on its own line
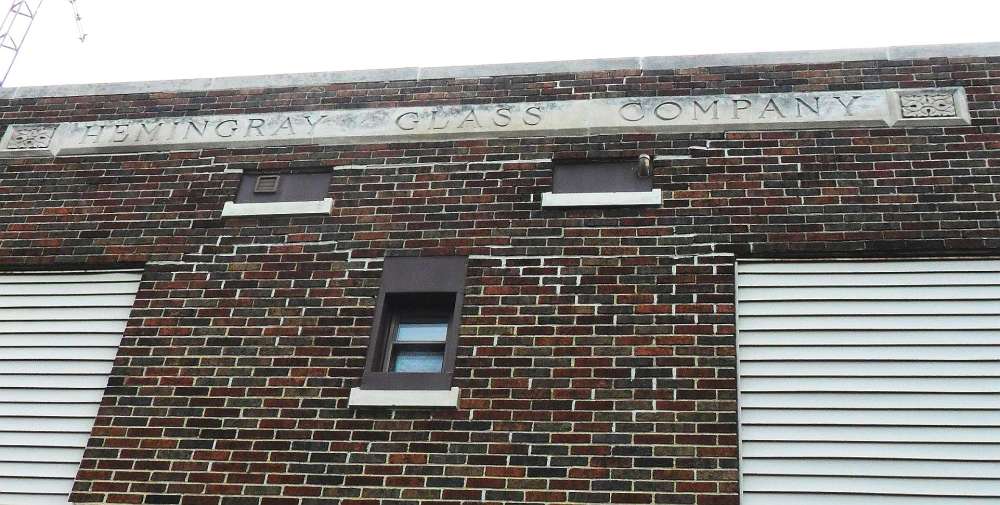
point(59, 334)
point(68, 288)
point(871, 434)
point(43, 439)
point(869, 307)
point(881, 337)
point(57, 353)
point(32, 499)
point(40, 486)
point(984, 354)
point(870, 279)
point(870, 369)
point(47, 327)
point(63, 300)
point(889, 322)
point(13, 367)
point(872, 401)
point(99, 381)
point(64, 313)
point(871, 450)
point(51, 395)
point(69, 277)
point(88, 410)
point(30, 424)
point(877, 385)
point(873, 468)
point(897, 417)
point(50, 470)
point(874, 485)
point(60, 340)
point(41, 455)
point(855, 266)
point(757, 498)
point(747, 294)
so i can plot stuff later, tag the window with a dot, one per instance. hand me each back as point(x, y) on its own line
point(415, 330)
point(589, 184)
point(277, 194)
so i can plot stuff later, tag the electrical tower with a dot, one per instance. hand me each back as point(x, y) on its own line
point(14, 30)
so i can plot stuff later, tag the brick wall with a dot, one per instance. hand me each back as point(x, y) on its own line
point(596, 350)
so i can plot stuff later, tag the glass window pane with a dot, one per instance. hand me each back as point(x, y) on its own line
point(417, 361)
point(421, 331)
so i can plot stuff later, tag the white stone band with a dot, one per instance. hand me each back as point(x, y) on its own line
point(984, 49)
point(323, 206)
point(403, 397)
point(620, 199)
point(875, 108)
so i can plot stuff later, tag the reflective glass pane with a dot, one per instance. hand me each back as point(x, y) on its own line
point(417, 361)
point(422, 331)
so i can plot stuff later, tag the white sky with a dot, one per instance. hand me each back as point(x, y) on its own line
point(130, 40)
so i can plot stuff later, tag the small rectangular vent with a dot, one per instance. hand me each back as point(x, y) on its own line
point(266, 184)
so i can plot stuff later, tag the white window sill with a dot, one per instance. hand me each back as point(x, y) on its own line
point(323, 206)
point(403, 398)
point(621, 199)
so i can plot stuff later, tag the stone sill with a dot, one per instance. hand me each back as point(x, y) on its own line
point(622, 199)
point(413, 398)
point(231, 209)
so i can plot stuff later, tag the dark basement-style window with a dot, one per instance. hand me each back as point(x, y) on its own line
point(415, 331)
point(599, 177)
point(285, 187)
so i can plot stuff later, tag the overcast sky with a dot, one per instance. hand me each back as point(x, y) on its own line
point(131, 40)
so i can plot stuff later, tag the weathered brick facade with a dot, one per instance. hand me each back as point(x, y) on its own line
point(596, 357)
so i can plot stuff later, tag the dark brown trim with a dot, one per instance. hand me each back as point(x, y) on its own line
point(414, 286)
point(599, 177)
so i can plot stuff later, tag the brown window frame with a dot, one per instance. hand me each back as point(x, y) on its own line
point(415, 285)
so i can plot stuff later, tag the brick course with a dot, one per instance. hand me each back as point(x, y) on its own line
point(596, 356)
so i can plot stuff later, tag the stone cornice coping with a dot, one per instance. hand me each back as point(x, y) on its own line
point(652, 63)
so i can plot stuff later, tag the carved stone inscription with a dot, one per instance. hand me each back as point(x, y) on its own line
point(668, 114)
point(30, 136)
point(927, 105)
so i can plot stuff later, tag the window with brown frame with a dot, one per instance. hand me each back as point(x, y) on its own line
point(415, 331)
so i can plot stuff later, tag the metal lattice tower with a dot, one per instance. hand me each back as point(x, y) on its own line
point(14, 30)
point(15, 26)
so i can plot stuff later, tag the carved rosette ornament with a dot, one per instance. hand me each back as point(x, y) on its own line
point(31, 136)
point(918, 105)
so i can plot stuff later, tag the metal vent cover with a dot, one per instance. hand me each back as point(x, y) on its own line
point(267, 184)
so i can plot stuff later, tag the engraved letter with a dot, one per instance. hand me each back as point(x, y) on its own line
point(96, 136)
point(411, 123)
point(434, 121)
point(633, 112)
point(312, 125)
point(675, 105)
point(285, 125)
point(847, 106)
point(193, 126)
point(537, 114)
point(151, 132)
point(714, 108)
point(504, 114)
point(737, 108)
point(470, 117)
point(802, 103)
point(232, 129)
point(255, 124)
point(120, 132)
point(770, 106)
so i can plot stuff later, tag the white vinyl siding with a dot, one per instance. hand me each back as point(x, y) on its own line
point(869, 382)
point(59, 333)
